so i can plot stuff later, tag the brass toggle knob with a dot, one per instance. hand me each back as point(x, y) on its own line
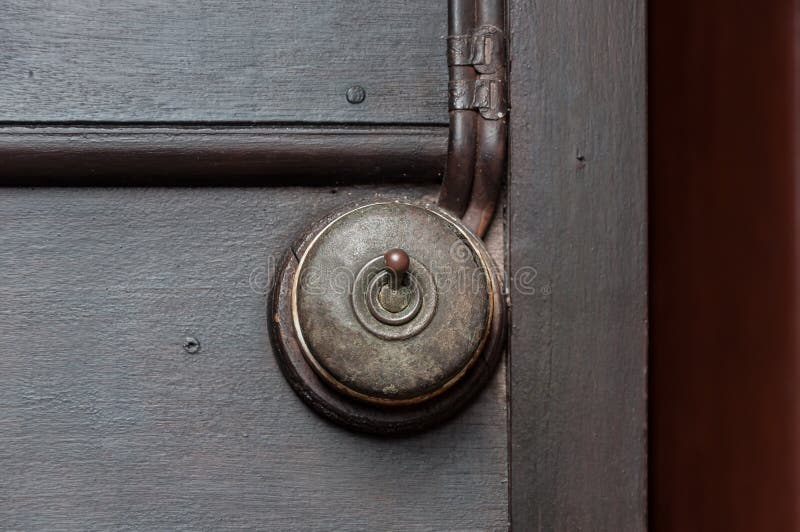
point(398, 262)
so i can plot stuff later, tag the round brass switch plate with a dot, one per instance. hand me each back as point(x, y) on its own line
point(383, 351)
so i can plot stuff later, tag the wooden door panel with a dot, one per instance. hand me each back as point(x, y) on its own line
point(106, 421)
point(223, 61)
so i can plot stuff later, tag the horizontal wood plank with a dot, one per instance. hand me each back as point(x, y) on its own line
point(107, 422)
point(222, 60)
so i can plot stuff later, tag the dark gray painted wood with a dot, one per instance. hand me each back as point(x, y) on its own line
point(195, 155)
point(577, 214)
point(222, 60)
point(107, 423)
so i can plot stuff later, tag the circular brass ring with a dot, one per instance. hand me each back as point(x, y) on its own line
point(385, 324)
point(377, 309)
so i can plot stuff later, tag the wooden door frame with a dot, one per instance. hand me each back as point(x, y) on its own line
point(578, 265)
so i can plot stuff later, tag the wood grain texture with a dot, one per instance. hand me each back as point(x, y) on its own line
point(107, 423)
point(577, 236)
point(196, 155)
point(222, 60)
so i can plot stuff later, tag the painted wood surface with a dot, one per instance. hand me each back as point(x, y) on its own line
point(107, 422)
point(222, 61)
point(577, 237)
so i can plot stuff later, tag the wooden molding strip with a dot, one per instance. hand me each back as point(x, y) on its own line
point(207, 155)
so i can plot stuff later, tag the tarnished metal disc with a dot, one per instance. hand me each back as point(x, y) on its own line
point(387, 317)
point(352, 343)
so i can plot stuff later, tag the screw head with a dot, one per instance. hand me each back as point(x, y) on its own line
point(191, 345)
point(356, 94)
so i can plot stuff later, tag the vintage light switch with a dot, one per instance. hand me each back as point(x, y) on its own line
point(389, 316)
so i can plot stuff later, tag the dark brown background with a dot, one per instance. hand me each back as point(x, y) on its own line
point(724, 270)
